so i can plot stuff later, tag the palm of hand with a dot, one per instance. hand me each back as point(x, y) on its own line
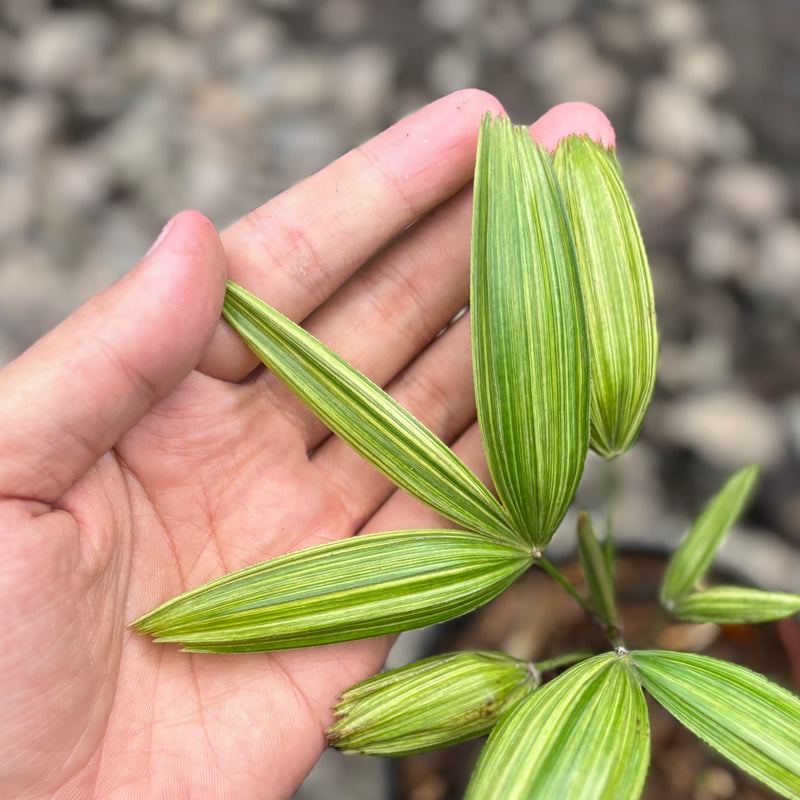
point(200, 487)
point(127, 478)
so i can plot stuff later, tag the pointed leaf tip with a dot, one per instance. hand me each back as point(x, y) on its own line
point(336, 592)
point(695, 555)
point(618, 293)
point(583, 736)
point(367, 418)
point(530, 346)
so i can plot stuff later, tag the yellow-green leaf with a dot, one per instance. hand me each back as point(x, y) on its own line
point(365, 416)
point(431, 703)
point(350, 589)
point(596, 570)
point(617, 291)
point(583, 736)
point(529, 341)
point(747, 718)
point(735, 605)
point(693, 558)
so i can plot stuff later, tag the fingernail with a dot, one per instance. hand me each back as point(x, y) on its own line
point(161, 236)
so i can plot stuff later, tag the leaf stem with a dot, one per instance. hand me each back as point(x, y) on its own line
point(561, 661)
point(555, 573)
point(611, 631)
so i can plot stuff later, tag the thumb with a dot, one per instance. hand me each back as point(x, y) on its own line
point(73, 394)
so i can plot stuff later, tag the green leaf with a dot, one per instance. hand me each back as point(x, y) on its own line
point(735, 605)
point(529, 341)
point(693, 558)
point(583, 736)
point(349, 589)
point(748, 719)
point(617, 291)
point(431, 703)
point(365, 416)
point(596, 569)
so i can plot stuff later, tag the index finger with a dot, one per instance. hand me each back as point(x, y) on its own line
point(298, 248)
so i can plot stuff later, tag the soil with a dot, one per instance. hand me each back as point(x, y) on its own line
point(536, 619)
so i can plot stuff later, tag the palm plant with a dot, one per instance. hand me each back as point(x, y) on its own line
point(564, 349)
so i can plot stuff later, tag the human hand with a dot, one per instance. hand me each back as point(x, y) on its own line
point(143, 456)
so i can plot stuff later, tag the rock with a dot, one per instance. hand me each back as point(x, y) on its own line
point(675, 119)
point(660, 189)
point(670, 22)
point(776, 271)
point(63, 49)
point(728, 428)
point(363, 81)
point(450, 16)
point(452, 68)
point(22, 13)
point(565, 66)
point(546, 12)
point(703, 363)
point(29, 124)
point(752, 194)
point(718, 248)
point(342, 19)
point(703, 66)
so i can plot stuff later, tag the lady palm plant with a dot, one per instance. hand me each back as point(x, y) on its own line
point(564, 349)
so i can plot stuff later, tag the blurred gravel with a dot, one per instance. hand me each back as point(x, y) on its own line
point(115, 115)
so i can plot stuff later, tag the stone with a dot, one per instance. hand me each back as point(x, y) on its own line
point(564, 65)
point(450, 16)
point(342, 19)
point(752, 194)
point(674, 119)
point(728, 428)
point(703, 363)
point(29, 124)
point(452, 68)
point(776, 271)
point(672, 22)
point(718, 248)
point(704, 66)
point(56, 52)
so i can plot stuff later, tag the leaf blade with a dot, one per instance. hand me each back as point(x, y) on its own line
point(618, 293)
point(354, 588)
point(751, 721)
point(597, 571)
point(432, 703)
point(584, 736)
point(694, 556)
point(735, 605)
point(365, 416)
point(529, 339)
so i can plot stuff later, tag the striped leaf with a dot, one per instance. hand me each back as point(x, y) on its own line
point(431, 703)
point(351, 589)
point(693, 558)
point(735, 605)
point(529, 340)
point(597, 571)
point(748, 719)
point(365, 416)
point(583, 736)
point(617, 291)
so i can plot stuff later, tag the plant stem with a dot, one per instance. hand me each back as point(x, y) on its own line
point(554, 572)
point(611, 631)
point(561, 661)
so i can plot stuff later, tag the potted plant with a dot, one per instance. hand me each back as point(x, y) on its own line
point(564, 350)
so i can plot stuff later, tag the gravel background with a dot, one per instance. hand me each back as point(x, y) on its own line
point(115, 115)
